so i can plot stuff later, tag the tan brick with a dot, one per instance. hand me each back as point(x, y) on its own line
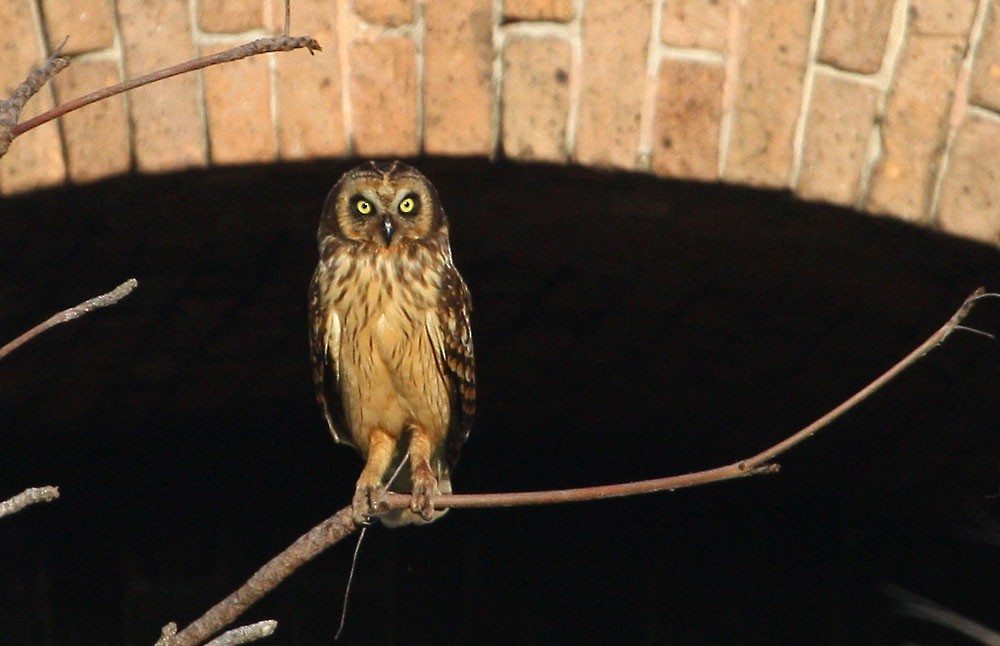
point(97, 136)
point(34, 158)
point(238, 109)
point(88, 23)
point(308, 88)
point(615, 35)
point(937, 18)
point(166, 116)
point(385, 12)
point(384, 97)
point(695, 23)
point(855, 34)
point(686, 124)
point(841, 118)
point(556, 10)
point(970, 194)
point(769, 95)
point(233, 17)
point(458, 68)
point(984, 89)
point(535, 101)
point(915, 124)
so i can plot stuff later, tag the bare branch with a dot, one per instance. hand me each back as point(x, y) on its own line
point(307, 547)
point(342, 523)
point(755, 465)
point(259, 46)
point(28, 497)
point(245, 634)
point(112, 297)
point(10, 109)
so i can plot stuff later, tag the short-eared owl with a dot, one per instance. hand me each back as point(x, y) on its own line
point(391, 343)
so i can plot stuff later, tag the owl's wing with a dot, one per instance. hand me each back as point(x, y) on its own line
point(458, 361)
point(324, 345)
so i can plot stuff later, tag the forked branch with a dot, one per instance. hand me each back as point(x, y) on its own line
point(341, 524)
point(259, 46)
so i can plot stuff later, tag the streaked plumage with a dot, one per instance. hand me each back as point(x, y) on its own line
point(391, 342)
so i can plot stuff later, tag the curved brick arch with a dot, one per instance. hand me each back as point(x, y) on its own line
point(891, 106)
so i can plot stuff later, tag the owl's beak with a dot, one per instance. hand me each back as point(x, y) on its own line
point(387, 228)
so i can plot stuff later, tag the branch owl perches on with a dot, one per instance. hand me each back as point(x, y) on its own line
point(391, 342)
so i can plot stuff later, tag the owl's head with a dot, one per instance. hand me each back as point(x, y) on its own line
point(382, 203)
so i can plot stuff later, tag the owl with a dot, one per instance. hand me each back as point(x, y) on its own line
point(390, 337)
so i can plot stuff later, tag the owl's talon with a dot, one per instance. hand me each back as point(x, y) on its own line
point(424, 486)
point(369, 502)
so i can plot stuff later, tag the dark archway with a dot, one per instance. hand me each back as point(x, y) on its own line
point(626, 327)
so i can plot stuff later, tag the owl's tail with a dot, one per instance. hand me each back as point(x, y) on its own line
point(403, 484)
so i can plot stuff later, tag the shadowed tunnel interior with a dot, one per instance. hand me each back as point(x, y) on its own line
point(625, 328)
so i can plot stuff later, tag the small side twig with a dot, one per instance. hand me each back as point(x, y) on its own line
point(341, 524)
point(245, 634)
point(26, 498)
point(259, 46)
point(10, 109)
point(89, 305)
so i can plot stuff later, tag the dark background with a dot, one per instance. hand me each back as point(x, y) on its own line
point(625, 328)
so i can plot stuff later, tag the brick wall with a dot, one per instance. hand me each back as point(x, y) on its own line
point(890, 106)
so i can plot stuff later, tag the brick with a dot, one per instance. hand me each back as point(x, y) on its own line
point(554, 10)
point(970, 193)
point(34, 159)
point(458, 69)
point(984, 88)
point(238, 110)
point(936, 18)
point(686, 122)
point(309, 89)
point(391, 13)
point(88, 23)
point(167, 127)
point(915, 124)
point(535, 98)
point(384, 97)
point(96, 136)
point(233, 17)
point(769, 94)
point(615, 35)
point(695, 23)
point(841, 119)
point(855, 34)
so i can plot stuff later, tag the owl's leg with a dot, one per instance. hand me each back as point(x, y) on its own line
point(425, 483)
point(369, 491)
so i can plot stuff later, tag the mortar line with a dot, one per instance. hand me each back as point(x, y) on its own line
point(887, 71)
point(808, 83)
point(647, 109)
point(959, 104)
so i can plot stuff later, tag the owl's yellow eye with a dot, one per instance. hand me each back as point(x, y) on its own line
point(408, 205)
point(362, 206)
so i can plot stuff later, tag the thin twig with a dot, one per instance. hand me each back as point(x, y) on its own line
point(342, 523)
point(26, 498)
point(757, 464)
point(89, 305)
point(245, 634)
point(10, 109)
point(259, 46)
